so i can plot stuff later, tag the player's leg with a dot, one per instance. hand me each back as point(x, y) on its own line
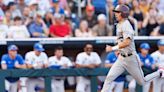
point(157, 85)
point(132, 85)
point(31, 83)
point(111, 87)
point(81, 84)
point(116, 70)
point(146, 87)
point(119, 87)
point(13, 87)
point(58, 86)
point(134, 68)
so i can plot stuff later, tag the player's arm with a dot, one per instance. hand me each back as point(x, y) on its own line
point(108, 65)
point(4, 66)
point(126, 42)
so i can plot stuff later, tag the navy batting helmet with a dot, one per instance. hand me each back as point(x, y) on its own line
point(124, 9)
point(145, 46)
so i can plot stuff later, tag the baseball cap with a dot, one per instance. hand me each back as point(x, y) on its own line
point(12, 47)
point(90, 8)
point(161, 42)
point(101, 17)
point(55, 1)
point(38, 47)
point(145, 46)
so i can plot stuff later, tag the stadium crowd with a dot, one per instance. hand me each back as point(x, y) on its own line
point(60, 18)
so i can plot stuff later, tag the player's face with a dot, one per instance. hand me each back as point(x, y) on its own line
point(88, 49)
point(144, 51)
point(59, 53)
point(13, 53)
point(37, 53)
point(161, 48)
point(118, 16)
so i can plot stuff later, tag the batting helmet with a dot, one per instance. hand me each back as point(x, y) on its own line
point(145, 46)
point(124, 9)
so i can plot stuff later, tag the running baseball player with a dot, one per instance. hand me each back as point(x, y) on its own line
point(128, 59)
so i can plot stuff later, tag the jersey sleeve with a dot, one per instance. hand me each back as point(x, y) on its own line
point(107, 60)
point(69, 63)
point(128, 31)
point(28, 58)
point(97, 58)
point(3, 60)
point(79, 59)
point(45, 59)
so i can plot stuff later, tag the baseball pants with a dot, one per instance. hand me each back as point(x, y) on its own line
point(33, 82)
point(83, 84)
point(158, 85)
point(131, 65)
point(117, 87)
point(11, 87)
point(57, 85)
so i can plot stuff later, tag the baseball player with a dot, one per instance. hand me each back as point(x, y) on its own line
point(118, 83)
point(128, 59)
point(86, 59)
point(158, 56)
point(58, 61)
point(36, 59)
point(12, 60)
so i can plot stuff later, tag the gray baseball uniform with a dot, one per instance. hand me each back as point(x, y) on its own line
point(127, 60)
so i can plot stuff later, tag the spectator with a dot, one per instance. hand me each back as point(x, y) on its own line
point(56, 8)
point(89, 16)
point(86, 59)
point(26, 17)
point(21, 5)
point(59, 28)
point(102, 28)
point(48, 19)
point(18, 30)
point(33, 5)
point(146, 61)
point(3, 29)
point(137, 14)
point(144, 6)
point(1, 12)
point(64, 5)
point(2, 5)
point(83, 30)
point(58, 61)
point(8, 19)
point(36, 59)
point(118, 84)
point(38, 28)
point(158, 57)
point(13, 10)
point(159, 30)
point(150, 22)
point(12, 60)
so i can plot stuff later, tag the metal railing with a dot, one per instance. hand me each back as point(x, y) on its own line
point(48, 73)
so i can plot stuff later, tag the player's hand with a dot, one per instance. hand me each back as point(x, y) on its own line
point(108, 48)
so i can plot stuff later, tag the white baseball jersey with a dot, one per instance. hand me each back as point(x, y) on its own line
point(36, 61)
point(125, 30)
point(158, 58)
point(63, 60)
point(85, 59)
point(18, 32)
